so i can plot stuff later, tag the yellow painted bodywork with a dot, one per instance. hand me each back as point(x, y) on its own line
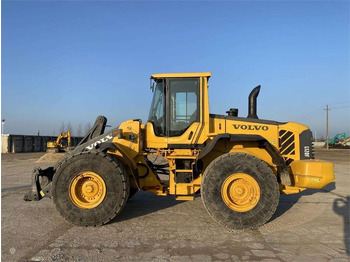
point(51, 144)
point(289, 190)
point(312, 173)
point(153, 141)
point(130, 143)
point(268, 131)
point(169, 75)
point(135, 141)
point(130, 138)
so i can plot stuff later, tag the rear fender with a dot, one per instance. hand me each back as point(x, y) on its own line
point(282, 169)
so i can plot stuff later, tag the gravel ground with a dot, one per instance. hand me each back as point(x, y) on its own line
point(50, 157)
point(311, 226)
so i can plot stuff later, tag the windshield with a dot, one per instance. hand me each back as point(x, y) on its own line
point(156, 113)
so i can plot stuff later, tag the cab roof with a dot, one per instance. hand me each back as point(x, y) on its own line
point(207, 74)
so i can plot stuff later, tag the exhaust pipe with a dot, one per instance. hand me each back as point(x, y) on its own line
point(252, 102)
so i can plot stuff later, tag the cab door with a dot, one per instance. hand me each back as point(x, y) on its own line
point(183, 111)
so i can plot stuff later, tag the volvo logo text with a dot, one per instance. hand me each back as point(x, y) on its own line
point(102, 140)
point(250, 127)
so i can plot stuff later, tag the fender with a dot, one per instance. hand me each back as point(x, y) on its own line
point(282, 169)
point(129, 161)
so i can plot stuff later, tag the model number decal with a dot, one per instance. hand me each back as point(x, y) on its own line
point(250, 127)
point(102, 140)
point(306, 151)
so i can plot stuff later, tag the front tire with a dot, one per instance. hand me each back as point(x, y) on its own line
point(90, 188)
point(239, 191)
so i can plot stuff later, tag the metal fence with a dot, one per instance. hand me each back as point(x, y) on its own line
point(23, 143)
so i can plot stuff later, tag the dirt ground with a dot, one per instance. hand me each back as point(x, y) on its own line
point(310, 226)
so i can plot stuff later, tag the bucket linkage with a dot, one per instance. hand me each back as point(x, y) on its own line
point(41, 184)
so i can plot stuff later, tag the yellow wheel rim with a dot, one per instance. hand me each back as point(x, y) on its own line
point(240, 192)
point(87, 190)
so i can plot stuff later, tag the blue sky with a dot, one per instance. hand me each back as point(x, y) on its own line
point(72, 61)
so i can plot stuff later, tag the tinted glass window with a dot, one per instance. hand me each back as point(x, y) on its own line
point(183, 104)
point(156, 114)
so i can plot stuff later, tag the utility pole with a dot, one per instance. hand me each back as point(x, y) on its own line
point(327, 127)
point(315, 138)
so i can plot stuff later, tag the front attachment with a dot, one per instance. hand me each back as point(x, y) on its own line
point(41, 184)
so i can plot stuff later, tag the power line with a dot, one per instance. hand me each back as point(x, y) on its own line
point(310, 114)
point(345, 102)
point(341, 107)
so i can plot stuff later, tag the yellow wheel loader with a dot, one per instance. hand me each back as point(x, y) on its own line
point(240, 165)
point(62, 143)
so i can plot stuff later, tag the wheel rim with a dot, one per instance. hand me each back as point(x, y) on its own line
point(87, 190)
point(240, 192)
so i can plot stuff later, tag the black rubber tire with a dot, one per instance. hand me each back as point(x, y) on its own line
point(215, 175)
point(117, 188)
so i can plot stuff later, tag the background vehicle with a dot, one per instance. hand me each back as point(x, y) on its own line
point(239, 164)
point(62, 143)
point(338, 141)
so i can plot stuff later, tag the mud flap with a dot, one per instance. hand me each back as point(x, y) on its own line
point(41, 184)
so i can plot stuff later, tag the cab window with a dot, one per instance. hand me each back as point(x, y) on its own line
point(183, 105)
point(156, 114)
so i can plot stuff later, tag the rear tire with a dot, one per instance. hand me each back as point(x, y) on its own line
point(90, 189)
point(239, 191)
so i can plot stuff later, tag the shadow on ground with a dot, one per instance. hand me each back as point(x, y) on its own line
point(288, 201)
point(341, 207)
point(144, 203)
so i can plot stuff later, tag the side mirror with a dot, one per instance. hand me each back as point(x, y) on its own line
point(151, 84)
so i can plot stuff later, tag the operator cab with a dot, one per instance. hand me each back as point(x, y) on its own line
point(176, 106)
point(182, 99)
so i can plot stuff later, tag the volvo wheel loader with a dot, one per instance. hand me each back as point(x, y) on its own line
point(240, 165)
